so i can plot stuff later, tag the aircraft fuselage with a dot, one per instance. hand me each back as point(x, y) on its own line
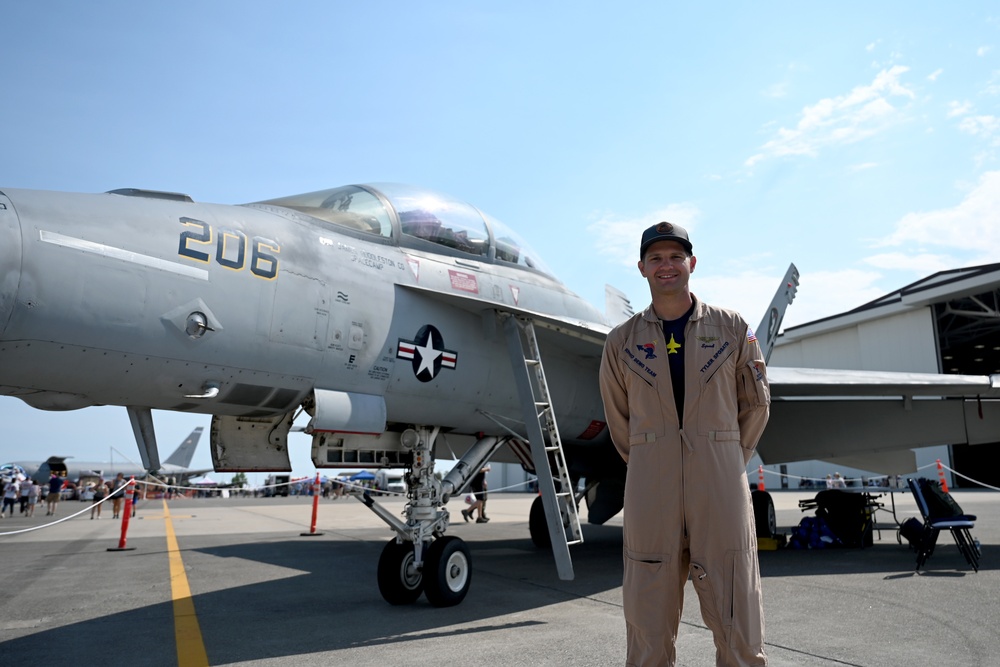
point(145, 300)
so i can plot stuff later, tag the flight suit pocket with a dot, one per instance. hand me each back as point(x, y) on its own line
point(636, 374)
point(731, 606)
point(755, 386)
point(644, 586)
point(743, 600)
point(708, 596)
point(715, 363)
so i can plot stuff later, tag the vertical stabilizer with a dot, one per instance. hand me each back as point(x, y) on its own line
point(617, 307)
point(185, 451)
point(767, 332)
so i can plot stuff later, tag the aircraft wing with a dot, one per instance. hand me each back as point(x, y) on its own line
point(814, 382)
point(861, 418)
point(172, 471)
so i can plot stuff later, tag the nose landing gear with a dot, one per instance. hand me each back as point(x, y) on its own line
point(422, 559)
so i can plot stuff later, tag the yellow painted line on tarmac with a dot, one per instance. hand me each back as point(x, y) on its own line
point(187, 632)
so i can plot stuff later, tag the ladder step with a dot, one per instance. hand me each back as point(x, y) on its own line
point(532, 362)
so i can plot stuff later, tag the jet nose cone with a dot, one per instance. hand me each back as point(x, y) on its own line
point(10, 259)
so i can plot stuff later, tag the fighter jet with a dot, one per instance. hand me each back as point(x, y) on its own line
point(177, 465)
point(403, 322)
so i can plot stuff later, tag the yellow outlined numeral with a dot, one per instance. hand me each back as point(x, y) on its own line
point(202, 237)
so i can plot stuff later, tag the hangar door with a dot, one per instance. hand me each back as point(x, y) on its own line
point(968, 330)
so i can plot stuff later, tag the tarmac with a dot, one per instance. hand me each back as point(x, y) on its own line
point(232, 581)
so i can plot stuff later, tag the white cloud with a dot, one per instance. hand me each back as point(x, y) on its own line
point(825, 293)
point(922, 263)
point(983, 50)
point(863, 166)
point(933, 76)
point(846, 119)
point(993, 87)
point(820, 293)
point(747, 292)
point(776, 90)
point(958, 108)
point(973, 226)
point(617, 239)
point(980, 126)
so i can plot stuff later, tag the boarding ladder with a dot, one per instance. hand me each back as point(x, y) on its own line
point(546, 446)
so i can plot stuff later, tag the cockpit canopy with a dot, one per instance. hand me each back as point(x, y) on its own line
point(418, 218)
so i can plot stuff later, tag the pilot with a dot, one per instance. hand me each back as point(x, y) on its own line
point(686, 398)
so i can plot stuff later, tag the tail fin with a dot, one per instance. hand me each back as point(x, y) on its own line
point(617, 308)
point(767, 332)
point(185, 451)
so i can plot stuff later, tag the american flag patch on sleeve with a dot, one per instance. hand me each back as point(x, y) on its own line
point(751, 336)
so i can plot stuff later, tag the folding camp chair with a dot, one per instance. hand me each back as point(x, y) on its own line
point(940, 512)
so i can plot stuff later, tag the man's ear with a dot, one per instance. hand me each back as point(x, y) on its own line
point(642, 268)
point(694, 260)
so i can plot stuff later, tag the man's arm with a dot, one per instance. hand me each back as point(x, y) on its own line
point(753, 394)
point(615, 397)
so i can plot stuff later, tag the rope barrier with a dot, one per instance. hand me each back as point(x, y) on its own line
point(157, 483)
point(359, 489)
point(57, 521)
point(871, 477)
point(955, 472)
point(816, 479)
point(49, 524)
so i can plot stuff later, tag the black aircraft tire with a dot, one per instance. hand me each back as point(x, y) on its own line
point(399, 581)
point(764, 518)
point(447, 571)
point(538, 526)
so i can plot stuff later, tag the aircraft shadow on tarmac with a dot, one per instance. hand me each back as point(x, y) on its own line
point(327, 597)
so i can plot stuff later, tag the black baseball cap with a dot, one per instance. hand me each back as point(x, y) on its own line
point(664, 231)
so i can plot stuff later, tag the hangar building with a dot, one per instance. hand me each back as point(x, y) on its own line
point(948, 322)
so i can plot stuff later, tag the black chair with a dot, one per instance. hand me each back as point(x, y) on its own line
point(940, 512)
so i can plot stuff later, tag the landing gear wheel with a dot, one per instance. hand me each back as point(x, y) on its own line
point(447, 571)
point(764, 518)
point(538, 526)
point(399, 580)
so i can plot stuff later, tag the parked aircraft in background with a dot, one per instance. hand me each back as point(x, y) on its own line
point(175, 466)
point(405, 323)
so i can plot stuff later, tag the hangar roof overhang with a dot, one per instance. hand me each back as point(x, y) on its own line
point(952, 288)
point(966, 306)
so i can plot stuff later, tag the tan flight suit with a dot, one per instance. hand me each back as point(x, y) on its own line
point(687, 500)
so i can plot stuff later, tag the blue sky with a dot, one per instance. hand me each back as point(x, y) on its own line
point(859, 140)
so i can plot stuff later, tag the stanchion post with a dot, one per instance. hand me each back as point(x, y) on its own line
point(944, 482)
point(126, 513)
point(312, 526)
point(760, 478)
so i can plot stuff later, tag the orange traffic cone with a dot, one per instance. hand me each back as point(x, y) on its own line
point(944, 484)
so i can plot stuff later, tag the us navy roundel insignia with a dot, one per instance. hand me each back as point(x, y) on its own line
point(427, 353)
